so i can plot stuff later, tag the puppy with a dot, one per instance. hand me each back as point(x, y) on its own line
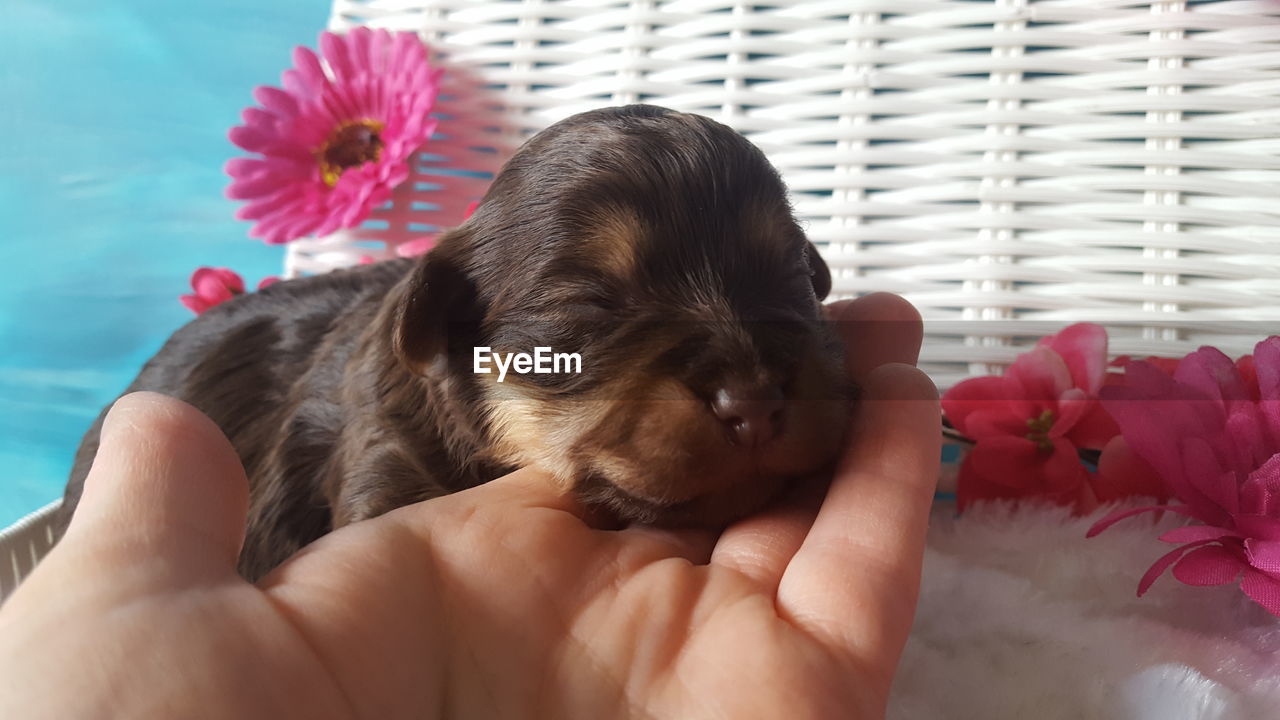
point(657, 246)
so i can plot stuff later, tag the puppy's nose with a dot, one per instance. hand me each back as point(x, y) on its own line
point(753, 413)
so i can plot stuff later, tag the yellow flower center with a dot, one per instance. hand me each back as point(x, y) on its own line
point(352, 144)
point(1039, 430)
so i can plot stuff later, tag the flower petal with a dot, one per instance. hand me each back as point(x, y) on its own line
point(1083, 500)
point(1062, 470)
point(1262, 589)
point(214, 294)
point(1210, 488)
point(1012, 462)
point(1266, 358)
point(978, 407)
point(1016, 462)
point(280, 227)
point(194, 303)
point(276, 100)
point(1244, 444)
point(1159, 566)
point(360, 48)
point(1195, 533)
point(1269, 414)
point(1083, 347)
point(245, 167)
point(1095, 428)
point(1208, 565)
point(1071, 407)
point(216, 282)
point(1119, 515)
point(334, 49)
point(249, 138)
point(1121, 473)
point(309, 70)
point(1248, 370)
point(1155, 414)
point(1167, 365)
point(1260, 492)
point(1212, 373)
point(259, 119)
point(253, 188)
point(296, 84)
point(1263, 527)
point(1263, 554)
point(262, 208)
point(1041, 375)
point(972, 487)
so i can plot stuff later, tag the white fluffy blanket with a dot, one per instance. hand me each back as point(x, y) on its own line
point(1021, 617)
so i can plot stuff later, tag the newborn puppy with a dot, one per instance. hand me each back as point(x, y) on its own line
point(656, 245)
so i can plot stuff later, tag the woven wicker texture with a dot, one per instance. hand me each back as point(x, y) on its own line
point(1008, 166)
point(23, 544)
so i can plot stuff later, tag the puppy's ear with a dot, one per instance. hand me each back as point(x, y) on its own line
point(818, 273)
point(439, 300)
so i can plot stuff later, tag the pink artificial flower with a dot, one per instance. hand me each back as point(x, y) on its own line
point(331, 146)
point(1212, 434)
point(214, 286)
point(1029, 423)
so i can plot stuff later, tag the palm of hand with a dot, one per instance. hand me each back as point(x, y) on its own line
point(502, 602)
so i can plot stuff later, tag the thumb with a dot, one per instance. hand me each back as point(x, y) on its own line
point(166, 486)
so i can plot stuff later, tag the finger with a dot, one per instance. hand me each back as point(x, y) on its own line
point(854, 581)
point(760, 546)
point(165, 486)
point(877, 329)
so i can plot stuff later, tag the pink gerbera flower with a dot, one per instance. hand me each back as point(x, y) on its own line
point(1211, 431)
point(331, 146)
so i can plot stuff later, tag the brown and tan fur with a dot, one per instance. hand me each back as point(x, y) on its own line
point(658, 245)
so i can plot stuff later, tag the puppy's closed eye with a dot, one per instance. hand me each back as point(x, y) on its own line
point(593, 314)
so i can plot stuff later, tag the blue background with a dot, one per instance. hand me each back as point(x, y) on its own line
point(113, 122)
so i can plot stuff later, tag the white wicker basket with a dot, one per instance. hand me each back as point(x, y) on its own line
point(1009, 166)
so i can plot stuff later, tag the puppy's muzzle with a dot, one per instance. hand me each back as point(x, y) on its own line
point(751, 412)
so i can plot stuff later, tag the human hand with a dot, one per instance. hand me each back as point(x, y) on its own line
point(498, 601)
